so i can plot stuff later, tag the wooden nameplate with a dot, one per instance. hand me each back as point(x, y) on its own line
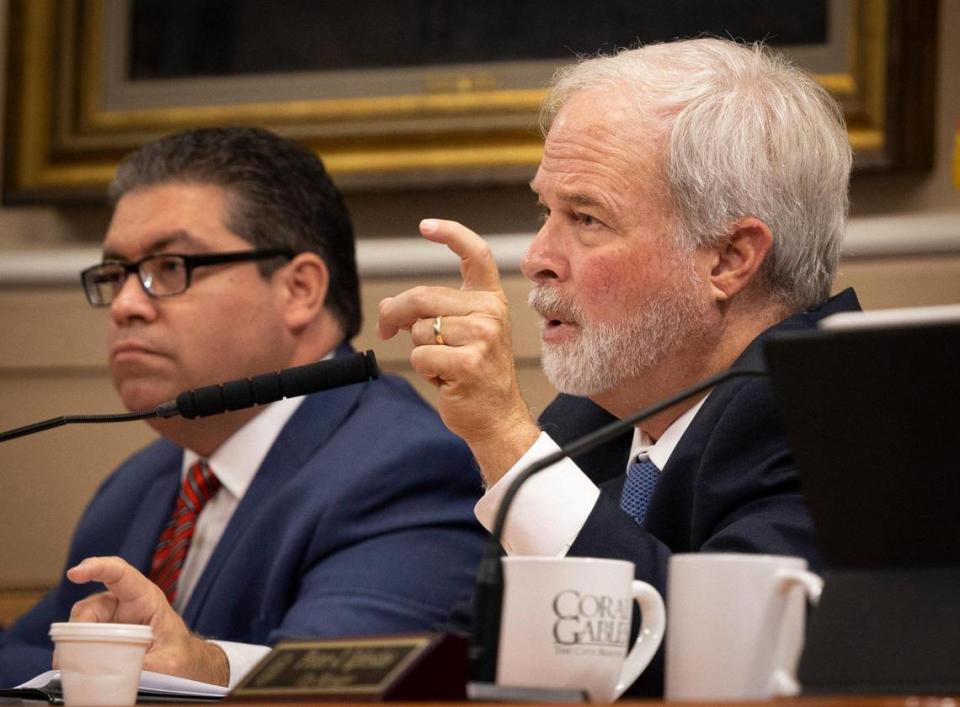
point(428, 666)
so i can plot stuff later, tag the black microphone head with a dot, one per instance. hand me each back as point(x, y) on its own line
point(373, 369)
point(187, 405)
point(266, 388)
point(270, 387)
point(238, 394)
point(201, 402)
point(324, 375)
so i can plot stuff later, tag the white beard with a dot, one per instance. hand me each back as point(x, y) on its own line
point(607, 354)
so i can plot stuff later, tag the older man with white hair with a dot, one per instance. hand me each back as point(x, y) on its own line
point(694, 197)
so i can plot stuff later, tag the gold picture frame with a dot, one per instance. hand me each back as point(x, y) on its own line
point(71, 115)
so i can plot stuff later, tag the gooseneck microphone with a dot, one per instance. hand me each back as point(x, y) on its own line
point(270, 387)
point(488, 592)
point(236, 395)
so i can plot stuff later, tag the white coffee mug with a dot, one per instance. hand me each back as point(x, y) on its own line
point(736, 625)
point(566, 624)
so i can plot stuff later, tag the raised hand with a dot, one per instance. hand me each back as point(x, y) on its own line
point(462, 345)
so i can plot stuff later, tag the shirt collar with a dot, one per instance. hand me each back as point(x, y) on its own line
point(659, 452)
point(237, 460)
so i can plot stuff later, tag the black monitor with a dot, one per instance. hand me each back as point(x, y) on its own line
point(871, 406)
point(873, 417)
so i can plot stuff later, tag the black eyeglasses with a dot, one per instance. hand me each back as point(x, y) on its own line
point(161, 275)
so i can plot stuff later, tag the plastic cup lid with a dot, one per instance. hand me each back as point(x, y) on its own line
point(78, 630)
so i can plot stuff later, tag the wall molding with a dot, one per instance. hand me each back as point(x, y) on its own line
point(867, 237)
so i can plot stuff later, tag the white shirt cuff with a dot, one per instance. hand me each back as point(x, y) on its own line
point(242, 657)
point(549, 510)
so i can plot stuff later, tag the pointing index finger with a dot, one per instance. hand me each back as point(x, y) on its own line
point(123, 581)
point(477, 266)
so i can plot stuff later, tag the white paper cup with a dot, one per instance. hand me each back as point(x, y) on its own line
point(100, 663)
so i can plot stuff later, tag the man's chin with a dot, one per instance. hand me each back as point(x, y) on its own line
point(569, 372)
point(137, 396)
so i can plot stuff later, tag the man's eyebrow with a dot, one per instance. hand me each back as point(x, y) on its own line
point(583, 199)
point(577, 198)
point(178, 237)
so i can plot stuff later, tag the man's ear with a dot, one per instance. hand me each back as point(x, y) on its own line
point(303, 284)
point(738, 259)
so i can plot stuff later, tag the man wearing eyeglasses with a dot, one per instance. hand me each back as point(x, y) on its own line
point(230, 253)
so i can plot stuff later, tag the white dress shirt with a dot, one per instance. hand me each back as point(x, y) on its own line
point(235, 463)
point(552, 506)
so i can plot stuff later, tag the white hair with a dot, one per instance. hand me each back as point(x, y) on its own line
point(743, 133)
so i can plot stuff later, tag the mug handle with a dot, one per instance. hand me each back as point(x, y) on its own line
point(653, 621)
point(782, 682)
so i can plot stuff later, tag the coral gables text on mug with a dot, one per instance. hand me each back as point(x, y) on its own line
point(591, 624)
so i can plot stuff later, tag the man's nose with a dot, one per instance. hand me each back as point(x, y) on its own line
point(544, 260)
point(131, 301)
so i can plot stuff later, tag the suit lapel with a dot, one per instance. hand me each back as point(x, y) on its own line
point(569, 417)
point(614, 487)
point(311, 426)
point(154, 512)
point(677, 482)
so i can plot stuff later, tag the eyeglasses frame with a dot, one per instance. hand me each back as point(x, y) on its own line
point(190, 262)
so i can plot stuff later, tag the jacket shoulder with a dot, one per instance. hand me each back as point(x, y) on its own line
point(143, 465)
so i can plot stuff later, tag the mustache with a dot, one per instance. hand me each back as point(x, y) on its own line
point(550, 304)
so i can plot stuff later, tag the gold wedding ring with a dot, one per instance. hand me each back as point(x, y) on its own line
point(437, 336)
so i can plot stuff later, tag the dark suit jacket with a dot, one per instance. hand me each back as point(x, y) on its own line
point(359, 521)
point(730, 485)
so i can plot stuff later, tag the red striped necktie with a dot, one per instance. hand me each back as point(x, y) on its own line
point(199, 486)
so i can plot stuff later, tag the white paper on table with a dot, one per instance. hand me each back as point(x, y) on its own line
point(150, 683)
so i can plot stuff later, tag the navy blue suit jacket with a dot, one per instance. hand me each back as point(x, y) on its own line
point(359, 521)
point(731, 484)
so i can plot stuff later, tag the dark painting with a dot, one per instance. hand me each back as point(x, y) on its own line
point(189, 38)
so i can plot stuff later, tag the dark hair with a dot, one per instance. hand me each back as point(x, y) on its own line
point(280, 196)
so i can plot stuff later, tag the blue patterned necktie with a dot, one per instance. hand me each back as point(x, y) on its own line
point(642, 477)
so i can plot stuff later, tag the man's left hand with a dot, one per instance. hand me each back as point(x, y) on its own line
point(131, 598)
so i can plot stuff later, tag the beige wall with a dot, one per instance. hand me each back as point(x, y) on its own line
point(51, 350)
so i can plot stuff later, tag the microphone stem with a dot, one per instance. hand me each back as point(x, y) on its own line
point(287, 383)
point(75, 419)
